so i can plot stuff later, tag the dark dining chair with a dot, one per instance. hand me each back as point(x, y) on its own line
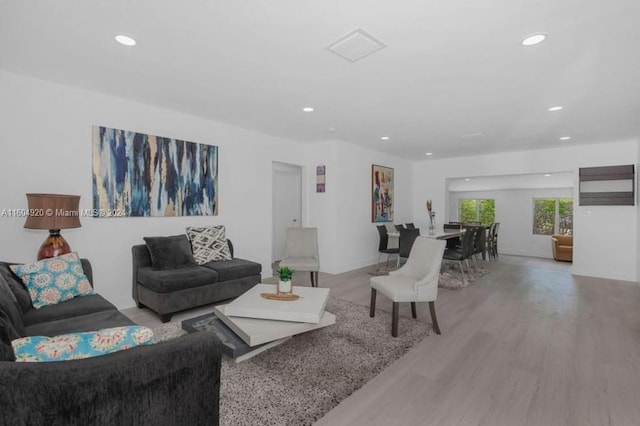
point(410, 225)
point(407, 238)
point(462, 253)
point(399, 227)
point(449, 227)
point(383, 246)
point(480, 243)
point(492, 240)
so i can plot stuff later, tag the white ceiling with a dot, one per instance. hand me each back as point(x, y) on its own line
point(450, 68)
point(524, 181)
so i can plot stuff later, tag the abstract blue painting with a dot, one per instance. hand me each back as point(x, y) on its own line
point(135, 174)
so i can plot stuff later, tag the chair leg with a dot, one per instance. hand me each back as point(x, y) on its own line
point(372, 309)
point(378, 264)
point(461, 271)
point(434, 320)
point(413, 310)
point(394, 319)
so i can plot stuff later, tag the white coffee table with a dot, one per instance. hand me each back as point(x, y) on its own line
point(308, 308)
point(264, 333)
point(256, 331)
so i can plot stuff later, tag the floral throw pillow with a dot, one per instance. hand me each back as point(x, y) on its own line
point(209, 244)
point(54, 280)
point(80, 345)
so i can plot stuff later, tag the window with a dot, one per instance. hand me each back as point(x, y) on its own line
point(553, 216)
point(483, 211)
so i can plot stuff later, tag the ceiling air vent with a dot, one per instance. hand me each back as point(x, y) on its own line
point(356, 45)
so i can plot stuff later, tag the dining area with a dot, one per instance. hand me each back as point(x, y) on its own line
point(466, 242)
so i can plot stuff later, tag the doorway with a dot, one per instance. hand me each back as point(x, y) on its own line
point(287, 204)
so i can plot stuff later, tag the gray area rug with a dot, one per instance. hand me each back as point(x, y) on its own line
point(299, 381)
point(452, 279)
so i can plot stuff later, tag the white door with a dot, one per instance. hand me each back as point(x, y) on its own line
point(287, 204)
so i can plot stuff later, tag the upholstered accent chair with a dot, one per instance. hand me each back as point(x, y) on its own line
point(301, 252)
point(415, 281)
point(562, 246)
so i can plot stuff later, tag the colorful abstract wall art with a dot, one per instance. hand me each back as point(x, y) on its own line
point(135, 174)
point(382, 194)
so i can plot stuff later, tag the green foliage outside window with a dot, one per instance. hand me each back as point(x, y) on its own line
point(468, 210)
point(553, 216)
point(565, 211)
point(483, 211)
point(544, 216)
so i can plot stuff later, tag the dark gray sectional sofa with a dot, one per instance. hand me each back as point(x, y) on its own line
point(168, 383)
point(172, 290)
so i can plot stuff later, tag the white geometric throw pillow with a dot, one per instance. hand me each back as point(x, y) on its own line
point(208, 244)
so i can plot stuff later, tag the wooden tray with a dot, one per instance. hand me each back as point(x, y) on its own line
point(287, 297)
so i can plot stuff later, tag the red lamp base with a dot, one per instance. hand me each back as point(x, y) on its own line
point(53, 246)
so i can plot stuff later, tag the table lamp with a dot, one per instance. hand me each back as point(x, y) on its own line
point(53, 212)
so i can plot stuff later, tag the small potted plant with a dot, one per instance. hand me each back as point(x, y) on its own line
point(284, 285)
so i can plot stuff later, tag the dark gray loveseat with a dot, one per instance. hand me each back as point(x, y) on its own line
point(172, 290)
point(169, 383)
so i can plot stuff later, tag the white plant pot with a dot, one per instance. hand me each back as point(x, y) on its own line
point(284, 286)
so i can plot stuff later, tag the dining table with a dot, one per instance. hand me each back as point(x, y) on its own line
point(439, 235)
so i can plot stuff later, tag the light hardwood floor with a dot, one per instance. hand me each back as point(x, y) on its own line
point(527, 344)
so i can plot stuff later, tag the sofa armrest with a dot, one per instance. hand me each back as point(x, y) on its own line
point(141, 258)
point(88, 270)
point(173, 382)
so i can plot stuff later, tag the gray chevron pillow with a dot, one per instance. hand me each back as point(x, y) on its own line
point(208, 244)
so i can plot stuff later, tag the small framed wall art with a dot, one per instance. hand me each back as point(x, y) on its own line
point(320, 178)
point(382, 197)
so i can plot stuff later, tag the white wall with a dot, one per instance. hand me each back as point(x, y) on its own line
point(514, 211)
point(348, 238)
point(45, 133)
point(606, 237)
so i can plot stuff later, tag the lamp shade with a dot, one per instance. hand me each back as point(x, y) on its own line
point(53, 211)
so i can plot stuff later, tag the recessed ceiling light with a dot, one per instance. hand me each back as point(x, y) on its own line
point(472, 135)
point(547, 174)
point(533, 39)
point(556, 108)
point(307, 109)
point(332, 129)
point(125, 40)
point(385, 138)
point(565, 138)
point(467, 179)
point(428, 153)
